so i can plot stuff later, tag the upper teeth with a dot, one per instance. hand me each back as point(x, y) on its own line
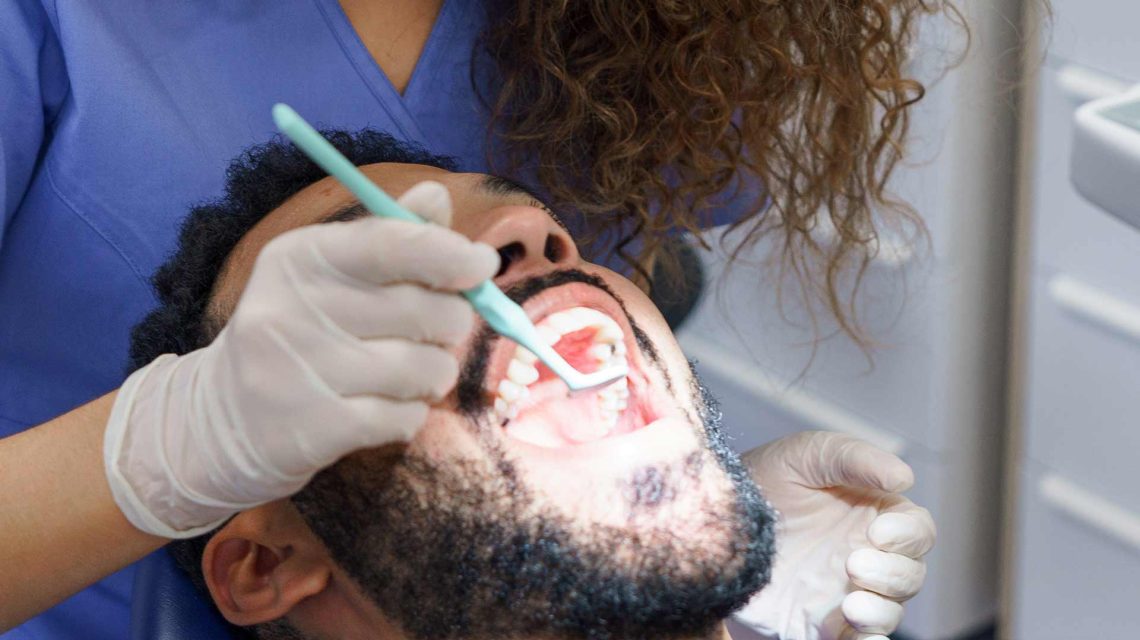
point(560, 323)
point(608, 345)
point(511, 391)
point(521, 372)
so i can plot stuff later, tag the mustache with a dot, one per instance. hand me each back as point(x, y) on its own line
point(472, 400)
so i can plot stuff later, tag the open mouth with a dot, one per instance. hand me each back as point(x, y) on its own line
point(534, 406)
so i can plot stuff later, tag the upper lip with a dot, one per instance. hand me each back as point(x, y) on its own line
point(554, 299)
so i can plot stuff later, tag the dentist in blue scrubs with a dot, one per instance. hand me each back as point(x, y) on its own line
point(115, 117)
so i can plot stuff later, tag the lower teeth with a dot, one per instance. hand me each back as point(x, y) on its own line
point(586, 432)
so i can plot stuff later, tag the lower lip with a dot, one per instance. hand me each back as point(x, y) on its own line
point(649, 442)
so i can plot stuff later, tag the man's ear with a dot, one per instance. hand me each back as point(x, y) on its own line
point(262, 563)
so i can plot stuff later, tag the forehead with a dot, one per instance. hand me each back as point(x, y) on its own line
point(325, 197)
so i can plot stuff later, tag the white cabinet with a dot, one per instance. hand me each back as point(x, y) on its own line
point(1082, 414)
point(1077, 566)
point(1074, 517)
point(1069, 233)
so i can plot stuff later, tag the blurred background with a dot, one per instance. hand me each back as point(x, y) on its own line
point(1006, 368)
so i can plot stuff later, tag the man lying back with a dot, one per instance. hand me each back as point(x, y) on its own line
point(518, 510)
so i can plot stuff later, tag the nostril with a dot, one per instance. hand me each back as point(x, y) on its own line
point(508, 255)
point(553, 251)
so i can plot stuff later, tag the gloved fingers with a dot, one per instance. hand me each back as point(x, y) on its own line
point(870, 613)
point(362, 422)
point(903, 528)
point(389, 420)
point(888, 574)
point(391, 368)
point(839, 460)
point(430, 200)
point(383, 251)
point(836, 627)
point(398, 311)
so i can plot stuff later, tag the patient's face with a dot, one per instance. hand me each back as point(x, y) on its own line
point(518, 509)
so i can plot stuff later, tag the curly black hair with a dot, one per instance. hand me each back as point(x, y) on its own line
point(257, 182)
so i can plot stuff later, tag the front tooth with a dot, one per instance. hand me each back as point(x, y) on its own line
point(602, 352)
point(586, 317)
point(520, 373)
point(564, 321)
point(501, 408)
point(609, 332)
point(525, 356)
point(609, 419)
point(609, 401)
point(549, 335)
point(511, 392)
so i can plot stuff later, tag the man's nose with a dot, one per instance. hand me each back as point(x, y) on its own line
point(530, 243)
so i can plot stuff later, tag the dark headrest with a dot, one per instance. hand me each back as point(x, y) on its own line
point(166, 606)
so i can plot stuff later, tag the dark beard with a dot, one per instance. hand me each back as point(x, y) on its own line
point(463, 552)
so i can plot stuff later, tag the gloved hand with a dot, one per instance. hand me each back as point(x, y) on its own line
point(339, 342)
point(848, 549)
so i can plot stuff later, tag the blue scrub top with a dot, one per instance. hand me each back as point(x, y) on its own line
point(115, 117)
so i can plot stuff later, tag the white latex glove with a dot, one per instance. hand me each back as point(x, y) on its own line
point(849, 548)
point(339, 342)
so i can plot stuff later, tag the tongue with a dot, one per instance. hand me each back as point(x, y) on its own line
point(559, 422)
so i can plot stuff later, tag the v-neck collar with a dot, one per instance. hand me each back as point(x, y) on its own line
point(435, 47)
point(398, 107)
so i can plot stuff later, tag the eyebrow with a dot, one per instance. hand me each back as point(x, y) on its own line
point(492, 184)
point(353, 211)
point(504, 186)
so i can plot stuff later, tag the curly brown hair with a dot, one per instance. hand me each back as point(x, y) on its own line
point(638, 114)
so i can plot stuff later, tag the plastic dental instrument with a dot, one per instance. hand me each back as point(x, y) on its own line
point(502, 314)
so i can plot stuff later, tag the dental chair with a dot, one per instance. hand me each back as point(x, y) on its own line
point(166, 606)
point(678, 297)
